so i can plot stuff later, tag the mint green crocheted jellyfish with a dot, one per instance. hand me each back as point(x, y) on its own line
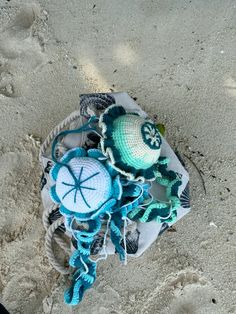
point(132, 143)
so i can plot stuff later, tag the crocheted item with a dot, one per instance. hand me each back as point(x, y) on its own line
point(157, 210)
point(85, 273)
point(101, 189)
point(89, 190)
point(83, 184)
point(85, 268)
point(132, 143)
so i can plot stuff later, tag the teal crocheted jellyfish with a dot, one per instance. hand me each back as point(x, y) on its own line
point(86, 189)
point(132, 143)
point(102, 189)
point(85, 185)
point(89, 192)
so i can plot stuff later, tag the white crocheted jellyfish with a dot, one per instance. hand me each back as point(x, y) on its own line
point(85, 185)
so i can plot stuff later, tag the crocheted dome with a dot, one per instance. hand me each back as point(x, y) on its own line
point(91, 189)
point(132, 143)
point(84, 185)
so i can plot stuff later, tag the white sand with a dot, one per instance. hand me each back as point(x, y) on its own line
point(178, 58)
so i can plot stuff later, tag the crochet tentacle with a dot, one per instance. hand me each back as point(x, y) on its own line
point(85, 274)
point(116, 235)
point(82, 280)
point(157, 210)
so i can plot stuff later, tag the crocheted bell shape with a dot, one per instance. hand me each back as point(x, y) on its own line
point(132, 143)
point(85, 186)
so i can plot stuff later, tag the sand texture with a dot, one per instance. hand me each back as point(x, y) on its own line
point(178, 59)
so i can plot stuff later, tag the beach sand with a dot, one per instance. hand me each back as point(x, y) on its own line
point(177, 58)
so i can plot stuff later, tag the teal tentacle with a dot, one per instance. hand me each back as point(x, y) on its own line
point(85, 127)
point(85, 274)
point(149, 210)
point(157, 210)
point(135, 212)
point(94, 226)
point(80, 283)
point(115, 233)
point(83, 248)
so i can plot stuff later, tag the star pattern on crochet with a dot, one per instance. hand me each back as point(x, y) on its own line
point(79, 187)
point(151, 135)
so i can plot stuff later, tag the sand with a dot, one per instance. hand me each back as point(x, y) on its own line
point(178, 59)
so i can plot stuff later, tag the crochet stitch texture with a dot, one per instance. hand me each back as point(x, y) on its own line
point(102, 192)
point(83, 184)
point(132, 143)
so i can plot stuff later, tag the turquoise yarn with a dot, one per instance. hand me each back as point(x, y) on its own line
point(85, 274)
point(82, 279)
point(76, 173)
point(157, 210)
point(121, 171)
point(151, 135)
point(84, 187)
point(128, 148)
point(132, 143)
point(116, 235)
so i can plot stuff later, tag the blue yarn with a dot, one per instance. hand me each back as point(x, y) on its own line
point(81, 282)
point(84, 128)
point(115, 233)
point(118, 207)
point(94, 227)
point(85, 273)
point(77, 186)
point(92, 215)
point(53, 195)
point(157, 210)
point(81, 186)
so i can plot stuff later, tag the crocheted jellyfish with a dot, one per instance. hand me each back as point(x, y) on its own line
point(85, 186)
point(99, 190)
point(132, 143)
point(88, 190)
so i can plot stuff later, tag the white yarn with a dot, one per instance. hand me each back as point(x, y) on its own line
point(104, 246)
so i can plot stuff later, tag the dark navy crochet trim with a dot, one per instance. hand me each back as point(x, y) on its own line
point(146, 141)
